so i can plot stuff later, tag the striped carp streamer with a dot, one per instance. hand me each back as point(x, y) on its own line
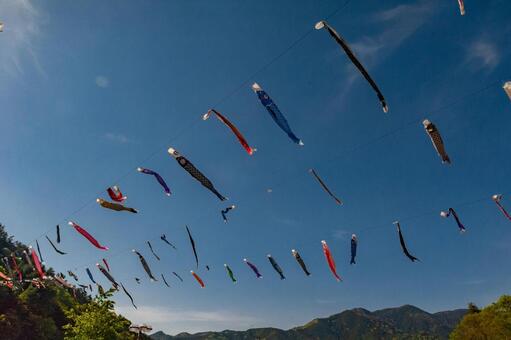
point(354, 243)
point(344, 45)
point(7, 266)
point(129, 295)
point(194, 172)
point(276, 266)
point(165, 281)
point(230, 273)
point(199, 280)
point(507, 89)
point(233, 128)
point(27, 258)
point(275, 113)
point(436, 139)
point(254, 268)
point(90, 275)
point(462, 7)
point(164, 239)
point(192, 242)
point(330, 260)
point(145, 265)
point(403, 245)
point(177, 275)
point(152, 251)
point(16, 268)
point(450, 212)
point(137, 280)
point(158, 178)
point(37, 263)
point(58, 233)
point(115, 206)
point(106, 264)
point(116, 194)
point(54, 247)
point(73, 275)
point(323, 185)
point(225, 211)
point(497, 198)
point(108, 276)
point(60, 280)
point(88, 236)
point(39, 251)
point(299, 259)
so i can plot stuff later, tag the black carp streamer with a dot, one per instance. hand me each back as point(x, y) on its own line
point(437, 141)
point(165, 281)
point(354, 244)
point(145, 265)
point(164, 239)
point(225, 211)
point(194, 172)
point(450, 212)
point(344, 45)
point(108, 276)
point(152, 251)
point(192, 242)
point(177, 275)
point(403, 245)
point(58, 233)
point(129, 295)
point(54, 247)
point(300, 261)
point(323, 185)
point(276, 266)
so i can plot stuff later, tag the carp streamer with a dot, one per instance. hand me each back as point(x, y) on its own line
point(158, 178)
point(115, 206)
point(354, 243)
point(177, 275)
point(90, 275)
point(152, 251)
point(299, 259)
point(194, 172)
point(330, 260)
point(497, 198)
point(54, 247)
point(197, 277)
point(87, 236)
point(73, 275)
point(403, 245)
point(164, 239)
point(230, 273)
point(16, 268)
point(106, 264)
point(437, 141)
point(323, 185)
point(462, 7)
point(254, 268)
point(145, 265)
point(58, 233)
point(39, 251)
point(192, 242)
point(129, 295)
point(233, 128)
point(116, 194)
point(344, 45)
point(225, 211)
point(507, 88)
point(276, 266)
point(275, 113)
point(37, 263)
point(165, 281)
point(450, 212)
point(108, 276)
point(27, 258)
point(137, 280)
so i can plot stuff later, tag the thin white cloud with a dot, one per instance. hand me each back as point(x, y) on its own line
point(482, 54)
point(22, 27)
point(341, 234)
point(102, 81)
point(117, 137)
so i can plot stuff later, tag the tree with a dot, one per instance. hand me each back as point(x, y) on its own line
point(492, 322)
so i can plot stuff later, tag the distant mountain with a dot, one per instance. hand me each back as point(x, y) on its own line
point(406, 322)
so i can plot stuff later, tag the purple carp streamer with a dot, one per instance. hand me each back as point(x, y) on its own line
point(436, 139)
point(254, 268)
point(152, 251)
point(344, 45)
point(403, 244)
point(497, 198)
point(192, 242)
point(129, 295)
point(450, 212)
point(507, 89)
point(323, 185)
point(108, 276)
point(177, 275)
point(58, 233)
point(233, 128)
point(165, 281)
point(115, 206)
point(164, 239)
point(300, 261)
point(462, 7)
point(275, 113)
point(194, 172)
point(276, 266)
point(225, 211)
point(158, 178)
point(90, 275)
point(354, 244)
point(54, 247)
point(145, 265)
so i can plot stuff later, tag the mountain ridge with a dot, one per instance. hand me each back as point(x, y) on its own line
point(404, 322)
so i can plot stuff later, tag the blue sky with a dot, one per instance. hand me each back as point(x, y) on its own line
point(92, 90)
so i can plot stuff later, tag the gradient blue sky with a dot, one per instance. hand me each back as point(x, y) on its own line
point(92, 89)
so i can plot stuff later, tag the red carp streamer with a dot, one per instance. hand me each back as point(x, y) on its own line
point(199, 280)
point(330, 260)
point(87, 236)
point(116, 194)
point(37, 263)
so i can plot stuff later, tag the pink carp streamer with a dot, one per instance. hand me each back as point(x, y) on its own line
point(37, 263)
point(87, 235)
point(330, 260)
